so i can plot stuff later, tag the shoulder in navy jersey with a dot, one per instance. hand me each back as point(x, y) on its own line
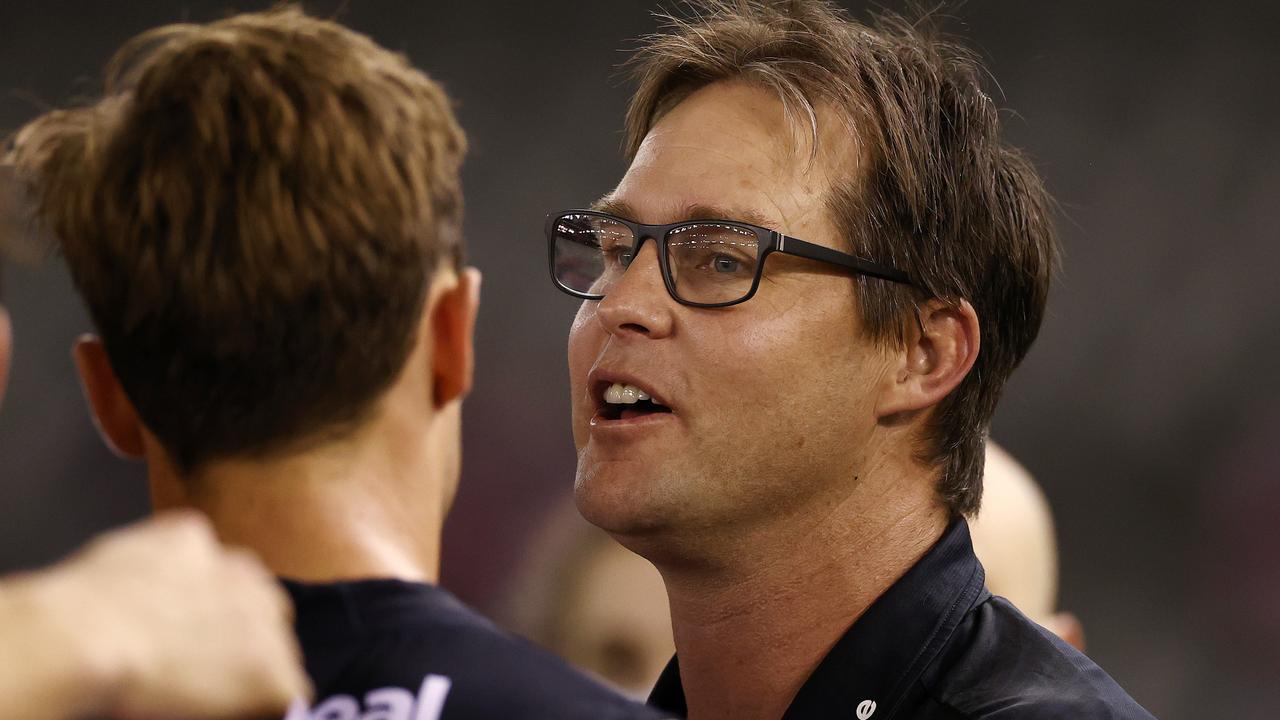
point(394, 650)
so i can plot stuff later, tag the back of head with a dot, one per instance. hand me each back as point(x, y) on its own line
point(931, 188)
point(253, 213)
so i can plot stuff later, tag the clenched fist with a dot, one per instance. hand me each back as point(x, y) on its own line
point(156, 620)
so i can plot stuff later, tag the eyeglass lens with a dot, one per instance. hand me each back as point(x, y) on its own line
point(709, 262)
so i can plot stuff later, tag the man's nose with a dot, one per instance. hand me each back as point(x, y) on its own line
point(638, 303)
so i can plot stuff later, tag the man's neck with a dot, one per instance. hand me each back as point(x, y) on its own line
point(369, 507)
point(750, 631)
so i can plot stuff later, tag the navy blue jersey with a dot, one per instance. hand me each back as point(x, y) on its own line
point(393, 650)
point(938, 646)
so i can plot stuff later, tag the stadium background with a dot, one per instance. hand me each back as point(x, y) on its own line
point(1149, 409)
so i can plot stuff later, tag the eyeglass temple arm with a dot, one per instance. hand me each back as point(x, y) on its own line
point(800, 248)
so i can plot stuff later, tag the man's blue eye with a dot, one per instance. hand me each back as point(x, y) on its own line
point(625, 257)
point(726, 264)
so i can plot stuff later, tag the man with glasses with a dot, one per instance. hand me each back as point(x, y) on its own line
point(800, 304)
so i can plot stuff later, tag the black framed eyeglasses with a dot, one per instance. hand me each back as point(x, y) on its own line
point(705, 263)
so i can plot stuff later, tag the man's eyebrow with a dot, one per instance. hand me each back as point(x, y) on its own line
point(694, 211)
point(608, 204)
point(699, 211)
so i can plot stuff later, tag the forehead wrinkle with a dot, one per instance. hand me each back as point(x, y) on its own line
point(824, 144)
point(791, 185)
point(804, 179)
point(816, 147)
point(750, 147)
point(702, 209)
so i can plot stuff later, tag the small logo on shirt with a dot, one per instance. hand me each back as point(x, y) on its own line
point(866, 709)
point(391, 703)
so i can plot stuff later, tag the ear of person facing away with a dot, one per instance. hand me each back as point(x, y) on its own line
point(431, 388)
point(135, 623)
point(334, 341)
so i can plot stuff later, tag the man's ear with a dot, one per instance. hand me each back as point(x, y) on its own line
point(940, 350)
point(6, 350)
point(112, 412)
point(453, 323)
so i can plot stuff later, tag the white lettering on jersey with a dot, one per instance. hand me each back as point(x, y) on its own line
point(338, 707)
point(388, 704)
point(435, 688)
point(391, 703)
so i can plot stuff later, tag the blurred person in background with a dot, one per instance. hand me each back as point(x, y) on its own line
point(603, 608)
point(591, 601)
point(794, 451)
point(263, 216)
point(1014, 539)
point(155, 620)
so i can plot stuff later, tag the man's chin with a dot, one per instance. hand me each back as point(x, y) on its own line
point(626, 506)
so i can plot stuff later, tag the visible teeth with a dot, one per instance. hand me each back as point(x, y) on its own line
point(624, 394)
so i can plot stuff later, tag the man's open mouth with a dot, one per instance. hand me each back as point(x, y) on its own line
point(623, 401)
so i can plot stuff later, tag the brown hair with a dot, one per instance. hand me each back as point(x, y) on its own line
point(12, 237)
point(935, 191)
point(7, 224)
point(253, 213)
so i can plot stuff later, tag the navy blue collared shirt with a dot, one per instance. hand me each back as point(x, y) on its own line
point(937, 645)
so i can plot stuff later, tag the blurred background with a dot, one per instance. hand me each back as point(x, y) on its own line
point(1149, 409)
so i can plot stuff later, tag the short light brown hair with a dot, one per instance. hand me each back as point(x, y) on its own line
point(12, 235)
point(934, 190)
point(7, 225)
point(253, 213)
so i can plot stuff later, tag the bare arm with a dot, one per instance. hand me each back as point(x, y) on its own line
point(155, 620)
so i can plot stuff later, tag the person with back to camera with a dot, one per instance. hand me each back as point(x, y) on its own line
point(154, 620)
point(263, 215)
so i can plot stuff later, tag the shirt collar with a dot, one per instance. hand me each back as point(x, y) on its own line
point(885, 650)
